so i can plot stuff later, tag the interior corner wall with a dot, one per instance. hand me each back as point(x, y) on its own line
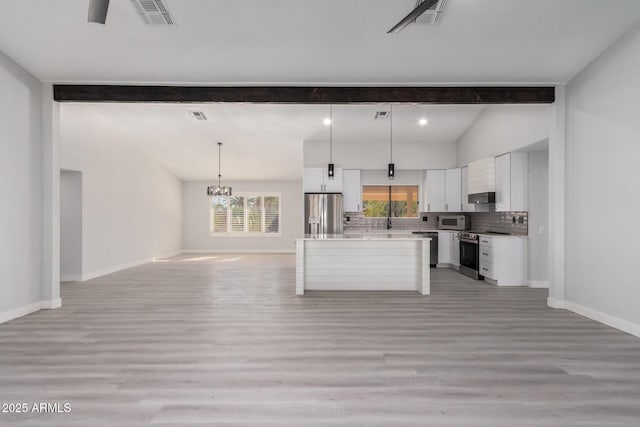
point(503, 128)
point(538, 240)
point(70, 226)
point(195, 216)
point(602, 175)
point(132, 204)
point(21, 247)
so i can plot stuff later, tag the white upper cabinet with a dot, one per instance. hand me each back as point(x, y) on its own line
point(453, 189)
point(434, 191)
point(352, 190)
point(317, 181)
point(332, 185)
point(512, 171)
point(466, 206)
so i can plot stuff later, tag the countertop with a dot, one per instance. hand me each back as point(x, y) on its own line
point(364, 236)
point(408, 233)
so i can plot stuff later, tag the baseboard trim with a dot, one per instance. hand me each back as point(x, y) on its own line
point(52, 304)
point(239, 251)
point(555, 303)
point(71, 277)
point(116, 268)
point(607, 319)
point(29, 308)
point(538, 284)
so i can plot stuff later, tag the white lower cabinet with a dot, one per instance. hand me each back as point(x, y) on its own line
point(503, 260)
point(444, 247)
point(455, 250)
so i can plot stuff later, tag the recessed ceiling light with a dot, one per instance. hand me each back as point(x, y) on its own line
point(423, 122)
point(326, 121)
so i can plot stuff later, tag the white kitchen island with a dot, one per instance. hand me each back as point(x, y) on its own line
point(363, 262)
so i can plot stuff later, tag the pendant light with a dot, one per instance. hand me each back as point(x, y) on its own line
point(330, 166)
point(219, 190)
point(391, 168)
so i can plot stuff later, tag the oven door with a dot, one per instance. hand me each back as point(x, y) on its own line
point(470, 259)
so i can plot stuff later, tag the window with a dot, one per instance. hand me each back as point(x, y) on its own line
point(248, 214)
point(396, 201)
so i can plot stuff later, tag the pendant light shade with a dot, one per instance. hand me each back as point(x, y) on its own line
point(219, 190)
point(391, 168)
point(330, 166)
point(391, 171)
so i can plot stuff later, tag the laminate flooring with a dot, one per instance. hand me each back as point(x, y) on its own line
point(222, 340)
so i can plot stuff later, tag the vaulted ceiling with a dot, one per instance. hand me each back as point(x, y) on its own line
point(312, 41)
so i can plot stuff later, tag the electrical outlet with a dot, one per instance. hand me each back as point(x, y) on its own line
point(541, 229)
point(348, 218)
point(513, 219)
point(521, 219)
point(425, 218)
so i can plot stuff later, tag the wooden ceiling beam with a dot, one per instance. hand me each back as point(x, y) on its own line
point(307, 94)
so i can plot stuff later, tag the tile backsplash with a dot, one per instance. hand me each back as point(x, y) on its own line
point(502, 222)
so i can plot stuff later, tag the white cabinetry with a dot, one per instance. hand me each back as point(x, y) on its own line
point(466, 206)
point(453, 189)
point(503, 260)
point(317, 181)
point(512, 170)
point(434, 191)
point(352, 190)
point(455, 250)
point(444, 247)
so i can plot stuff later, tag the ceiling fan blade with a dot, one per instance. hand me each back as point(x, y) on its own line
point(98, 11)
point(419, 10)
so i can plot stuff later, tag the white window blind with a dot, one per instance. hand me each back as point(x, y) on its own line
point(245, 214)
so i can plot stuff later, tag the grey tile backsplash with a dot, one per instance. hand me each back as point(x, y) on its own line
point(480, 221)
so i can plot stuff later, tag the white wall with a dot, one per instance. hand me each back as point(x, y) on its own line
point(602, 196)
point(21, 163)
point(196, 218)
point(70, 225)
point(132, 205)
point(375, 155)
point(538, 217)
point(503, 128)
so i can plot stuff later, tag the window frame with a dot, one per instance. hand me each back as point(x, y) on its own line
point(246, 195)
point(389, 200)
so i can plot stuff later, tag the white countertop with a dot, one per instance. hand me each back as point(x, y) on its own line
point(409, 233)
point(364, 236)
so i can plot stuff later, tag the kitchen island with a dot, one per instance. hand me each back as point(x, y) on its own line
point(363, 262)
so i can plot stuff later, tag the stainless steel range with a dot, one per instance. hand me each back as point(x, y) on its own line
point(470, 254)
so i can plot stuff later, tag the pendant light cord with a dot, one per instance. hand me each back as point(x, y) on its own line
point(331, 133)
point(391, 133)
point(219, 163)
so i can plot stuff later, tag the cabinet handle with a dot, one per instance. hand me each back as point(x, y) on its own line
point(446, 207)
point(428, 207)
point(484, 253)
point(461, 208)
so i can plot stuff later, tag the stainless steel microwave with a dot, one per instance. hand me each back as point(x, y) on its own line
point(454, 222)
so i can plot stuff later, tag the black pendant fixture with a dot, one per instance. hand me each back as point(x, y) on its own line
point(391, 168)
point(330, 166)
point(219, 190)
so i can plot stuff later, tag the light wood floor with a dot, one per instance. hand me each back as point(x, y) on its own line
point(224, 341)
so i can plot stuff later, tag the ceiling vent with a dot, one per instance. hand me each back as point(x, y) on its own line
point(198, 115)
point(431, 15)
point(381, 115)
point(153, 12)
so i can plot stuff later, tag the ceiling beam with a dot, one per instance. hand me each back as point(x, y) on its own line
point(307, 94)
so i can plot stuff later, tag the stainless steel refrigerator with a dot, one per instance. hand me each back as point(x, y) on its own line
point(323, 213)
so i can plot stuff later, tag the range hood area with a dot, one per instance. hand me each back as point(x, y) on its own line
point(482, 198)
point(482, 181)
